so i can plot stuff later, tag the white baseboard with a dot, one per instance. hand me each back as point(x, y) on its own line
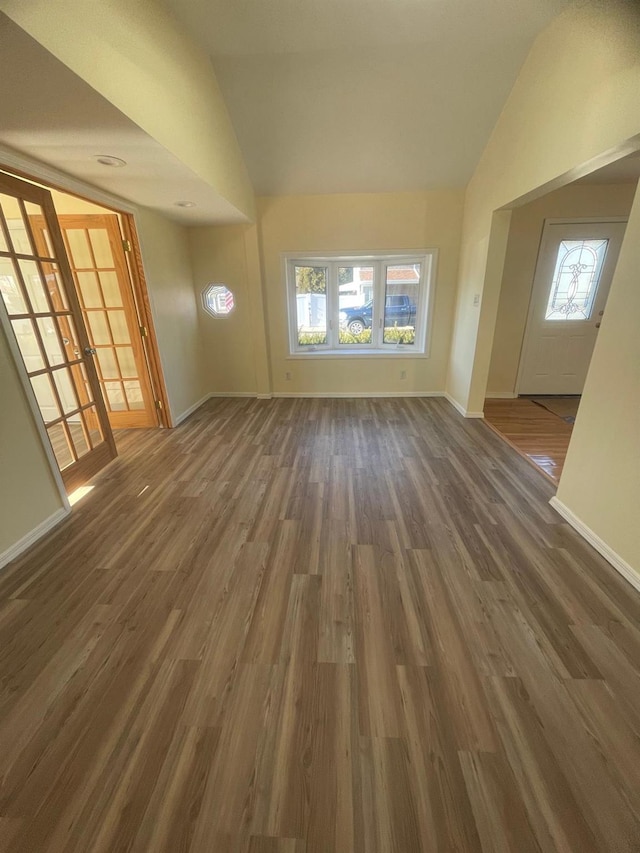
point(501, 395)
point(178, 420)
point(464, 412)
point(253, 394)
point(213, 394)
point(359, 394)
point(620, 565)
point(326, 395)
point(32, 537)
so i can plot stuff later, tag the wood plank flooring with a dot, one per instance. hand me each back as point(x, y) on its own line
point(307, 626)
point(533, 431)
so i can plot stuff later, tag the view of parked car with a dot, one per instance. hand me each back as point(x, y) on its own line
point(399, 310)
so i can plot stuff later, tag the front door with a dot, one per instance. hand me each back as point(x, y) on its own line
point(573, 274)
point(95, 251)
point(43, 313)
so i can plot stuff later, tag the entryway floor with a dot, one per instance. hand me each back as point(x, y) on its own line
point(539, 435)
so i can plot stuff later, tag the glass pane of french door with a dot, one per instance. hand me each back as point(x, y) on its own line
point(94, 249)
point(43, 314)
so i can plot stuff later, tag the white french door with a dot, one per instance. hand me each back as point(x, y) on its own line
point(573, 274)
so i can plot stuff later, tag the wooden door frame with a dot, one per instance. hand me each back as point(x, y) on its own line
point(573, 220)
point(23, 168)
point(133, 255)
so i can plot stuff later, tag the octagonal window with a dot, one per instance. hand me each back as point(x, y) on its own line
point(217, 300)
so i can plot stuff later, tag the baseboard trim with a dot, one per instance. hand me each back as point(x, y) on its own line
point(501, 395)
point(182, 417)
point(33, 536)
point(359, 394)
point(253, 394)
point(325, 395)
point(464, 412)
point(620, 565)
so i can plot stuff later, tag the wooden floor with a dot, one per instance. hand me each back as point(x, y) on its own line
point(307, 626)
point(533, 431)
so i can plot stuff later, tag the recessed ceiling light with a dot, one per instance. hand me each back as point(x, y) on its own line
point(108, 160)
point(184, 203)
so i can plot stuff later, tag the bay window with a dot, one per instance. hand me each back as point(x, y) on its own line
point(360, 304)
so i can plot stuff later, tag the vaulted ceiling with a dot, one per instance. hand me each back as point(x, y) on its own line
point(325, 96)
point(364, 95)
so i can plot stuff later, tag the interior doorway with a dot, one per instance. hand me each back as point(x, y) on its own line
point(76, 312)
point(561, 254)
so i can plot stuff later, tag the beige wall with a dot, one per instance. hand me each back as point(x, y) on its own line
point(135, 55)
point(28, 492)
point(601, 479)
point(567, 109)
point(577, 201)
point(167, 265)
point(371, 222)
point(66, 203)
point(234, 347)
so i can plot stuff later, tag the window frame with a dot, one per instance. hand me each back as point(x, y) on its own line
point(428, 258)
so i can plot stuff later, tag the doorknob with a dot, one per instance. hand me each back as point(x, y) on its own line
point(597, 325)
point(90, 350)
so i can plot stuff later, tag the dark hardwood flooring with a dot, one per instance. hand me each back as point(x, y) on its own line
point(306, 626)
point(539, 435)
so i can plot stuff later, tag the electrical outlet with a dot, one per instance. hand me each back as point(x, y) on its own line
point(287, 376)
point(403, 374)
point(476, 300)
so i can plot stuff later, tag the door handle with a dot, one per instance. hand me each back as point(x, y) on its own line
point(90, 350)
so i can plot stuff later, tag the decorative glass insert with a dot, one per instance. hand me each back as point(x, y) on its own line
point(575, 279)
point(217, 300)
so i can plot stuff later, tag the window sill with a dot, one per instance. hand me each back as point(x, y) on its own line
point(399, 352)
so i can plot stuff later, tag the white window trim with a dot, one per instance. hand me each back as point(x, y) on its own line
point(428, 258)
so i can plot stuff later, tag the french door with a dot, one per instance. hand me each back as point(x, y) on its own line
point(99, 267)
point(44, 315)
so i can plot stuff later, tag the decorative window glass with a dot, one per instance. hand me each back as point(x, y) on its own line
point(360, 304)
point(575, 279)
point(217, 300)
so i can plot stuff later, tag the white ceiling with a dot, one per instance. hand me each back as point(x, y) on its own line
point(364, 95)
point(50, 114)
point(325, 95)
